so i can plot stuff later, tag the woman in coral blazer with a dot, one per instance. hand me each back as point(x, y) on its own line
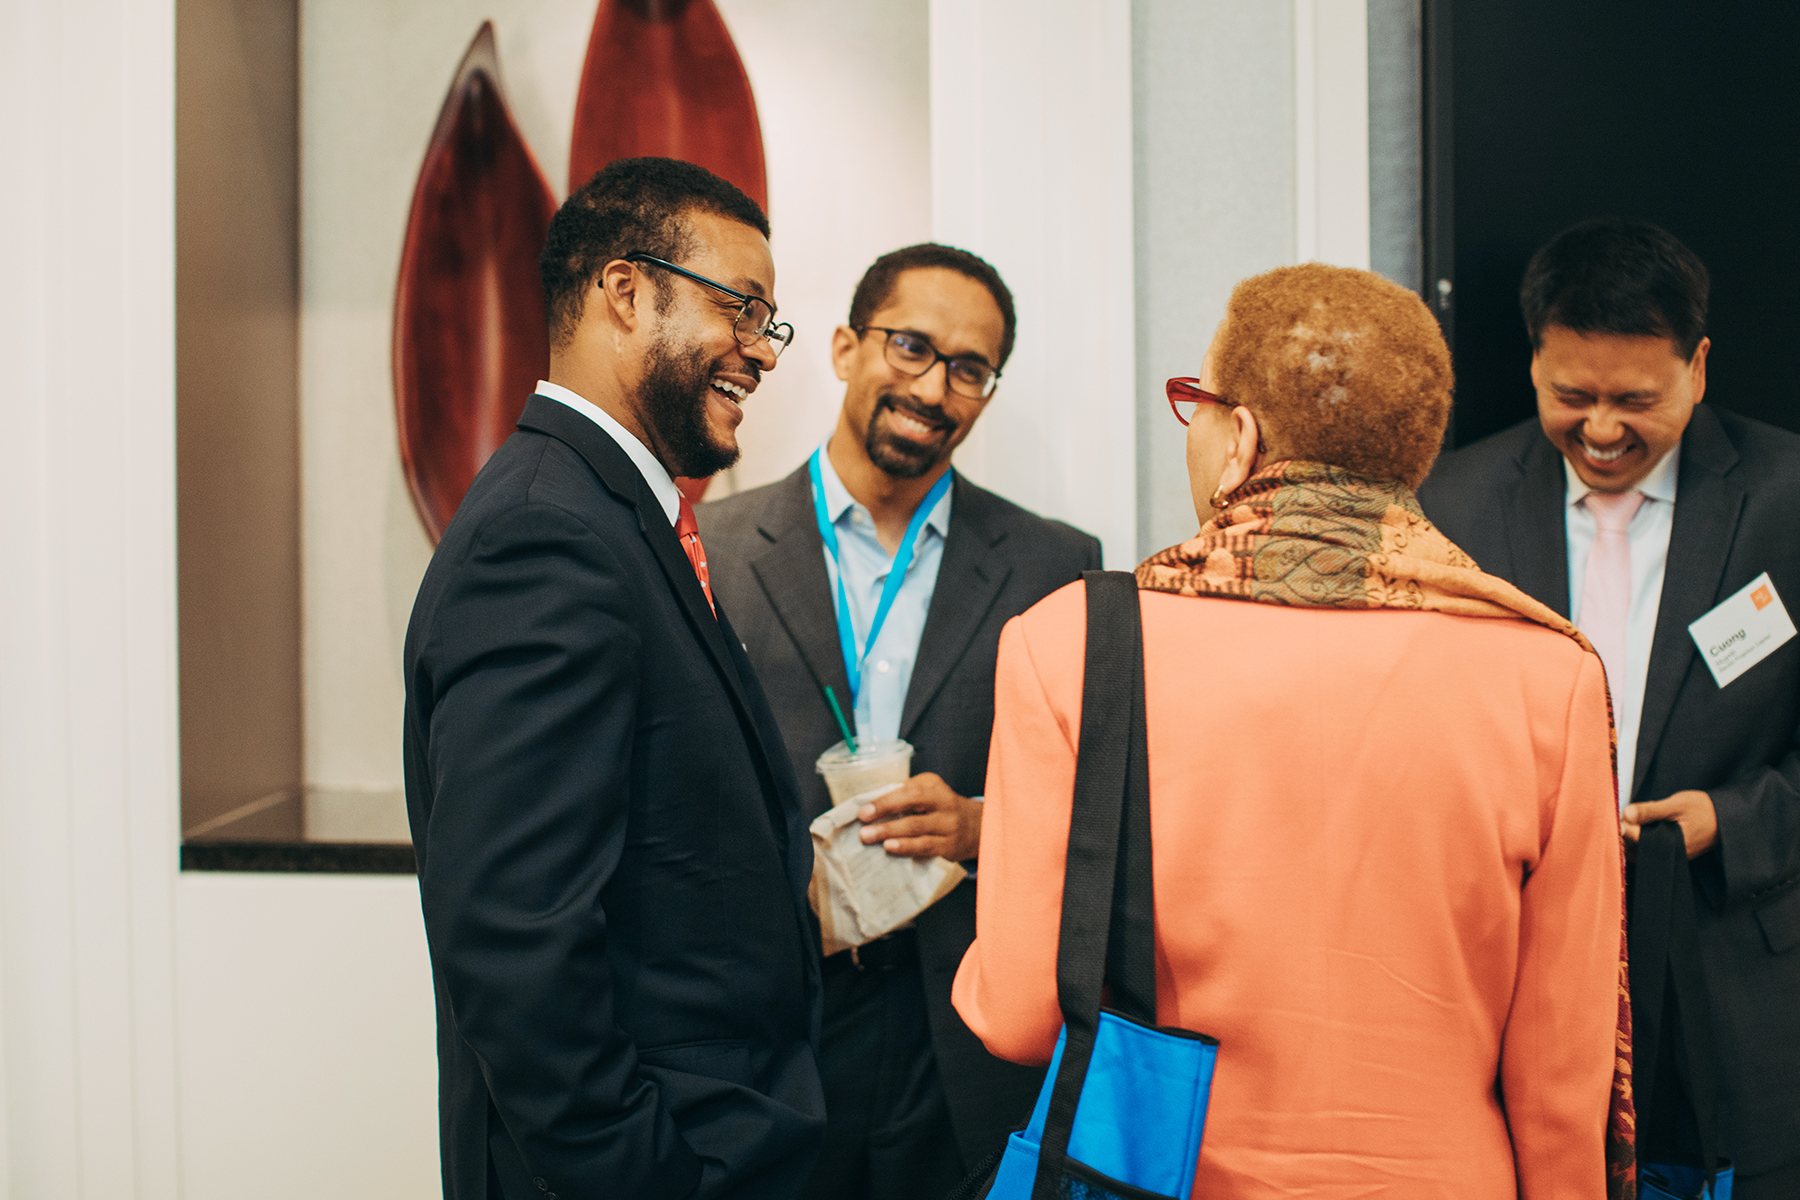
point(1385, 845)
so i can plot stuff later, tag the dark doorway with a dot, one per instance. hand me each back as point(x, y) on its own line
point(1541, 113)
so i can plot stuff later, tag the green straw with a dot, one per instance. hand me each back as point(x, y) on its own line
point(843, 725)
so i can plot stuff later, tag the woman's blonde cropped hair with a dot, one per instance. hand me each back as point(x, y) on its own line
point(1340, 366)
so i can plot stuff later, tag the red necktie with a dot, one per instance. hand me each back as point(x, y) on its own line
point(688, 530)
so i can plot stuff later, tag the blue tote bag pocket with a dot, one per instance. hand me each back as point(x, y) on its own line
point(1123, 1108)
point(1138, 1123)
point(1673, 1181)
point(1143, 1105)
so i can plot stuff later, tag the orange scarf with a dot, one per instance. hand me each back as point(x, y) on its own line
point(1310, 535)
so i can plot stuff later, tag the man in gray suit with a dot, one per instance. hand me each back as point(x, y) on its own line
point(923, 568)
point(1699, 505)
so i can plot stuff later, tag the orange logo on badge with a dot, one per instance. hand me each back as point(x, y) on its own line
point(1761, 597)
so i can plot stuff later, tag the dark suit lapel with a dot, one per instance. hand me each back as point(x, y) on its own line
point(972, 572)
point(1536, 534)
point(622, 478)
point(791, 573)
point(1707, 508)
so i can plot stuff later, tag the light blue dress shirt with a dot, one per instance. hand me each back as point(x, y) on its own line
point(1648, 537)
point(888, 667)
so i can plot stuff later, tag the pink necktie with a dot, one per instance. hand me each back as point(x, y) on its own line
point(688, 530)
point(1606, 592)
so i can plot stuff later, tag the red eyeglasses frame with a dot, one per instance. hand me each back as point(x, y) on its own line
point(1186, 388)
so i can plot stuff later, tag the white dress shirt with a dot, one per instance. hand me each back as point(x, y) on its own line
point(1648, 536)
point(888, 667)
point(654, 473)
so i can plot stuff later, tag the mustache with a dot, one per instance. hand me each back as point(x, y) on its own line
point(932, 414)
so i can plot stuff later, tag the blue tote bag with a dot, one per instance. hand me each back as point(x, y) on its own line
point(1123, 1106)
point(1665, 958)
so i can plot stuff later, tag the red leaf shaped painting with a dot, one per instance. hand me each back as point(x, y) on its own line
point(663, 77)
point(470, 335)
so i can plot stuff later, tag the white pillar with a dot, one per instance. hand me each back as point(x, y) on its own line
point(1031, 168)
point(1331, 131)
point(88, 773)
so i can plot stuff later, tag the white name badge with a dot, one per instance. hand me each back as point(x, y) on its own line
point(1743, 631)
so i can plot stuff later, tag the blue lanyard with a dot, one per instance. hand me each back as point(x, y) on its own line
point(896, 573)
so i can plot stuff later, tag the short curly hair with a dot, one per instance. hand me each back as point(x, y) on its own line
point(637, 205)
point(1617, 275)
point(878, 282)
point(1339, 366)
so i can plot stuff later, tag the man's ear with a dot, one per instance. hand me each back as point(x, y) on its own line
point(844, 343)
point(1697, 368)
point(619, 285)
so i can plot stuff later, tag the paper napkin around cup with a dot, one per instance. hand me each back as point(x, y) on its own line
point(861, 892)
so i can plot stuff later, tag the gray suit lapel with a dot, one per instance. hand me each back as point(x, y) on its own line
point(1533, 517)
point(970, 576)
point(1707, 508)
point(792, 575)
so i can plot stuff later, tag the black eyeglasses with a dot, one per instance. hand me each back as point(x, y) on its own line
point(755, 320)
point(913, 354)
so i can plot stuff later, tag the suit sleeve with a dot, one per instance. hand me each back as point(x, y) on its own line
point(1759, 827)
point(1561, 1039)
point(533, 662)
point(1005, 989)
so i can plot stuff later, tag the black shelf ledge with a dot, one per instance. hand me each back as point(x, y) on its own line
point(306, 830)
point(327, 858)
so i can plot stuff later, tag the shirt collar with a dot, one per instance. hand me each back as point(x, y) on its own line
point(839, 501)
point(654, 473)
point(1659, 484)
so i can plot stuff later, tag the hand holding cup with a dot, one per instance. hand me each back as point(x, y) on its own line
point(924, 818)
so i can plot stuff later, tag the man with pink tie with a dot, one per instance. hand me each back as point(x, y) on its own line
point(1637, 511)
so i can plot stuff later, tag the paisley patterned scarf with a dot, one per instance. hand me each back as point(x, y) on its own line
point(1314, 536)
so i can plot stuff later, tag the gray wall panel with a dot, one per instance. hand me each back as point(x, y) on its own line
point(1213, 120)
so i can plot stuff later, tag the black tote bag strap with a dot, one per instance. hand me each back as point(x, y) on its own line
point(1108, 904)
point(1665, 958)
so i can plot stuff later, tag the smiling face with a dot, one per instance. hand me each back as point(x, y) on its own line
point(910, 426)
point(1615, 404)
point(696, 375)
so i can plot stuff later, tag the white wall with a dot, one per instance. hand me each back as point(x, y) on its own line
point(843, 90)
point(1251, 152)
point(309, 1060)
point(1331, 132)
point(1031, 168)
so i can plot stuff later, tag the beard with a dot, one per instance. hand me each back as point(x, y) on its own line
point(674, 396)
point(902, 457)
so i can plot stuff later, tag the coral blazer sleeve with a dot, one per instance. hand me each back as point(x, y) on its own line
point(1006, 988)
point(1570, 924)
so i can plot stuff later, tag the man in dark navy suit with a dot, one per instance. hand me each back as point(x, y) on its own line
point(612, 855)
point(1625, 470)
